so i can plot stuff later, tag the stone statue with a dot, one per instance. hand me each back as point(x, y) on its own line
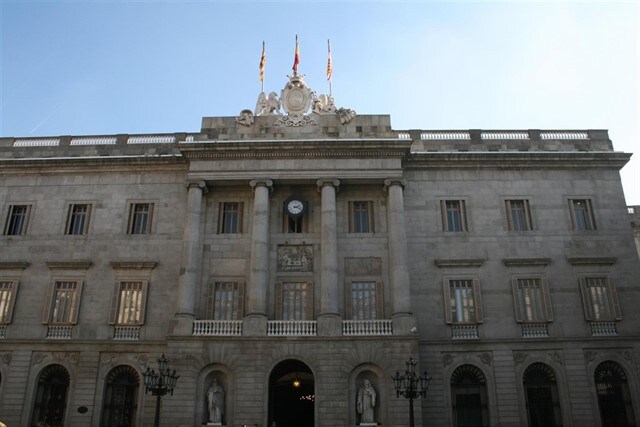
point(323, 104)
point(345, 115)
point(366, 402)
point(215, 398)
point(245, 118)
point(261, 104)
point(273, 105)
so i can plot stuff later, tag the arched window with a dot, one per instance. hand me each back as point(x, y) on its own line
point(614, 398)
point(120, 397)
point(469, 397)
point(541, 392)
point(51, 397)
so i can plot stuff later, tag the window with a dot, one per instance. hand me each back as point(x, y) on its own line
point(600, 299)
point(531, 300)
point(469, 397)
point(62, 303)
point(294, 301)
point(614, 398)
point(128, 303)
point(140, 217)
point(230, 218)
point(8, 291)
point(225, 301)
point(518, 215)
point(17, 220)
point(361, 217)
point(364, 300)
point(463, 301)
point(454, 217)
point(582, 214)
point(541, 393)
point(120, 398)
point(51, 397)
point(294, 225)
point(78, 219)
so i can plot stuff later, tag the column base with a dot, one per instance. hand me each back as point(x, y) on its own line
point(182, 325)
point(329, 325)
point(254, 325)
point(404, 324)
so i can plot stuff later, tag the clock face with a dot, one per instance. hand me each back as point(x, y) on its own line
point(295, 207)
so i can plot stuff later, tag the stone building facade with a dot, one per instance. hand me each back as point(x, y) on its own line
point(292, 256)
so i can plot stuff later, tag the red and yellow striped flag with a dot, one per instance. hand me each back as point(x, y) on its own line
point(296, 58)
point(263, 61)
point(329, 69)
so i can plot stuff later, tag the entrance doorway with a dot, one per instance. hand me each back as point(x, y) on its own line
point(291, 395)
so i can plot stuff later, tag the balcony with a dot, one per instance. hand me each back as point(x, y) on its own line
point(214, 328)
point(126, 333)
point(57, 332)
point(292, 328)
point(535, 330)
point(464, 332)
point(603, 329)
point(367, 327)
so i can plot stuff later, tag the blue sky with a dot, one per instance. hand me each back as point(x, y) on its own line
point(108, 67)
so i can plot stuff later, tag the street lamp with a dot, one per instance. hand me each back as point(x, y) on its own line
point(411, 386)
point(160, 383)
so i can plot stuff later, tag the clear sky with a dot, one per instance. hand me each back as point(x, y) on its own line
point(108, 67)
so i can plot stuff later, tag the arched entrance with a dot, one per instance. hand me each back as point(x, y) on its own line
point(291, 395)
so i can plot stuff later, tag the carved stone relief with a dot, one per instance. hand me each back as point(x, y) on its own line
point(447, 359)
point(295, 258)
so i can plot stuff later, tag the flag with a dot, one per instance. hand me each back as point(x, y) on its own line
point(329, 69)
point(263, 60)
point(296, 58)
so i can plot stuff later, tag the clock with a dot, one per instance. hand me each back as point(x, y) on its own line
point(294, 207)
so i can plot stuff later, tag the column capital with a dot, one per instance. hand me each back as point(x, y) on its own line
point(394, 181)
point(263, 182)
point(196, 183)
point(327, 181)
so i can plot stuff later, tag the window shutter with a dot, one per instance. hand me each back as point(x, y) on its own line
point(220, 216)
point(509, 218)
point(463, 216)
point(348, 299)
point(572, 212)
point(517, 304)
point(240, 217)
point(446, 292)
point(547, 299)
point(617, 312)
point(379, 301)
point(76, 303)
point(240, 300)
point(477, 296)
point(372, 216)
point(586, 300)
point(443, 214)
point(592, 215)
point(113, 314)
point(46, 312)
point(309, 301)
point(143, 307)
point(350, 205)
point(13, 289)
point(527, 215)
point(279, 300)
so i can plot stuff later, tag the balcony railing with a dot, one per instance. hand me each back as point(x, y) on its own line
point(126, 333)
point(535, 330)
point(55, 332)
point(367, 327)
point(292, 328)
point(212, 328)
point(464, 332)
point(3, 331)
point(603, 329)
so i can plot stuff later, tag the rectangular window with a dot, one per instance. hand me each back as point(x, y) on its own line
point(62, 303)
point(17, 220)
point(361, 217)
point(582, 214)
point(600, 299)
point(230, 218)
point(8, 291)
point(366, 300)
point(128, 304)
point(294, 301)
point(140, 217)
point(225, 301)
point(294, 225)
point(532, 301)
point(454, 217)
point(78, 219)
point(518, 215)
point(463, 301)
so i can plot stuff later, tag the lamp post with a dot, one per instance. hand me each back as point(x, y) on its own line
point(411, 386)
point(160, 383)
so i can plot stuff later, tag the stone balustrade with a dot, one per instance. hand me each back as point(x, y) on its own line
point(213, 328)
point(464, 332)
point(367, 327)
point(126, 333)
point(603, 329)
point(291, 328)
point(59, 332)
point(535, 330)
point(3, 331)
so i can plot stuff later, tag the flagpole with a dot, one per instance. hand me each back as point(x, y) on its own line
point(329, 66)
point(262, 66)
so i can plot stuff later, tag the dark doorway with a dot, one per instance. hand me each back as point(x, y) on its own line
point(614, 398)
point(291, 395)
point(51, 397)
point(541, 392)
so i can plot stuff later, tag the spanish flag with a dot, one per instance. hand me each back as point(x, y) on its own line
point(263, 61)
point(329, 69)
point(296, 58)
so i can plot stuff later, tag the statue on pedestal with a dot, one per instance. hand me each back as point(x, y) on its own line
point(365, 403)
point(215, 399)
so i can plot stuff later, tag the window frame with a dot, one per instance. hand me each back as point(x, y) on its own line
point(70, 215)
point(447, 227)
point(239, 228)
point(476, 295)
point(12, 290)
point(370, 212)
point(131, 225)
point(211, 297)
point(116, 302)
point(615, 312)
point(378, 297)
point(520, 309)
point(511, 223)
point(25, 223)
point(71, 314)
point(309, 302)
point(591, 224)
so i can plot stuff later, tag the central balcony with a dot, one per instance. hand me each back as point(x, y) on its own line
point(291, 328)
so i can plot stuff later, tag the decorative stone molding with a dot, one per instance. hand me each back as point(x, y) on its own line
point(485, 358)
point(295, 258)
point(38, 358)
point(106, 358)
point(459, 263)
point(5, 358)
point(328, 181)
point(196, 183)
point(295, 120)
point(592, 260)
point(626, 355)
point(69, 265)
point(13, 265)
point(261, 183)
point(394, 181)
point(519, 357)
point(245, 118)
point(134, 265)
point(447, 359)
point(556, 356)
point(526, 262)
point(590, 356)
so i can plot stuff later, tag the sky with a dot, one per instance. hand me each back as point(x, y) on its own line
point(113, 67)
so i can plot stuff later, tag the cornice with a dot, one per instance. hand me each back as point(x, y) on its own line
point(459, 263)
point(526, 262)
point(592, 260)
point(134, 265)
point(69, 265)
point(13, 265)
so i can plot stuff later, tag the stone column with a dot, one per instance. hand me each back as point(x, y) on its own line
point(329, 321)
point(255, 322)
point(403, 320)
point(191, 261)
